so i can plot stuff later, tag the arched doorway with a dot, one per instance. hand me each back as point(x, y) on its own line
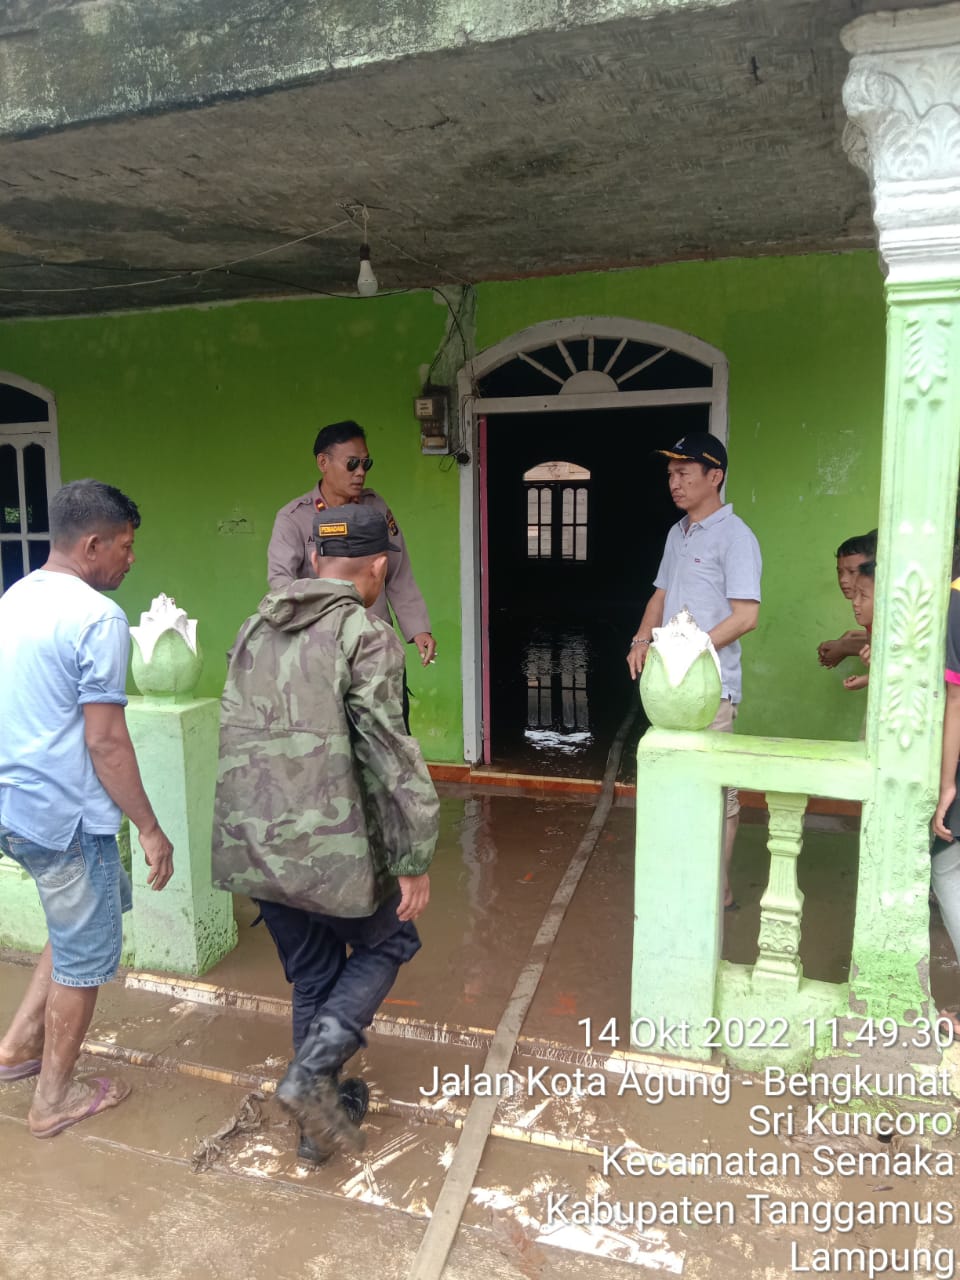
point(597, 393)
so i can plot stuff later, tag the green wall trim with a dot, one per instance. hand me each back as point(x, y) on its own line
point(835, 770)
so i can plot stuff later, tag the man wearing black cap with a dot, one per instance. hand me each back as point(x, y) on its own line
point(325, 812)
point(711, 565)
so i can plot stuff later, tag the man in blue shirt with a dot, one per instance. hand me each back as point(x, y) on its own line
point(67, 773)
point(711, 565)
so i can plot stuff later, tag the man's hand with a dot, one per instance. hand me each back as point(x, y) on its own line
point(414, 896)
point(637, 656)
point(947, 796)
point(426, 646)
point(158, 854)
point(831, 652)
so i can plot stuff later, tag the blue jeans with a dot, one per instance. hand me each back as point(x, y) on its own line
point(313, 952)
point(945, 877)
point(83, 891)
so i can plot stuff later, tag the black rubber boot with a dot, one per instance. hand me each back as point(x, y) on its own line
point(308, 1150)
point(309, 1092)
point(354, 1097)
point(327, 1047)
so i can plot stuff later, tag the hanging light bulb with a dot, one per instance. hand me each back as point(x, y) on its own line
point(366, 280)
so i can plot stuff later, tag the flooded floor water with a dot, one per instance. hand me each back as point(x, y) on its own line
point(196, 1174)
point(558, 695)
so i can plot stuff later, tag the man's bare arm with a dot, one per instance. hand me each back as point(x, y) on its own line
point(652, 617)
point(741, 619)
point(832, 652)
point(108, 741)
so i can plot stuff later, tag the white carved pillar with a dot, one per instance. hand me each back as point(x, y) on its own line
point(902, 96)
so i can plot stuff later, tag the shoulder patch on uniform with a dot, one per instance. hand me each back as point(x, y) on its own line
point(391, 523)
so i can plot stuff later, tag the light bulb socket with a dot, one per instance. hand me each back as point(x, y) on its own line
point(364, 252)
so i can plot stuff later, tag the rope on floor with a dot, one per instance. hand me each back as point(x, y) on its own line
point(438, 1239)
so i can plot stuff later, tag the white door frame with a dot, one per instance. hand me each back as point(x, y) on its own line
point(472, 407)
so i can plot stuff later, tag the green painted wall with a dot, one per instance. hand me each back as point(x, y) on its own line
point(207, 416)
point(805, 340)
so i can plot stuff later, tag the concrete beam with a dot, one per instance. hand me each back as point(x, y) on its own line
point(81, 60)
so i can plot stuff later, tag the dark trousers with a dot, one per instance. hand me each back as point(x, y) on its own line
point(328, 981)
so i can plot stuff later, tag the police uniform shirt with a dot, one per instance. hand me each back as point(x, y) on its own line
point(288, 558)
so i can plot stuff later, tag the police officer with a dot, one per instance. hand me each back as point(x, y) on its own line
point(343, 461)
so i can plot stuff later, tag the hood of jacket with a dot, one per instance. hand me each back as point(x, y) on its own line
point(301, 603)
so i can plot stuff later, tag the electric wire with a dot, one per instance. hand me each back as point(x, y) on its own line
point(175, 275)
point(229, 268)
point(456, 316)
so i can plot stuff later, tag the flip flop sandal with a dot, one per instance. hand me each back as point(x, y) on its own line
point(103, 1088)
point(21, 1070)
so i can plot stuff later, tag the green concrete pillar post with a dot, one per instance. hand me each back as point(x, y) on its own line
point(902, 96)
point(781, 907)
point(189, 925)
point(677, 895)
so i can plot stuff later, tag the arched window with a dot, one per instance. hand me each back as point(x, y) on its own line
point(595, 366)
point(29, 476)
point(557, 511)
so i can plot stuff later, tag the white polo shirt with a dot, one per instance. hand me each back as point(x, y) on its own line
point(706, 565)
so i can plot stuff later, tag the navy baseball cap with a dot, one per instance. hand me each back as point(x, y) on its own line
point(698, 446)
point(351, 531)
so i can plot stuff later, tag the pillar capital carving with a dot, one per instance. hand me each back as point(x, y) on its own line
point(902, 97)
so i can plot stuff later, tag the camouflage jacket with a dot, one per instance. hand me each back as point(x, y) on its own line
point(322, 799)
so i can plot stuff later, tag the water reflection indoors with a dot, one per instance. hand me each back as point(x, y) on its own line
point(558, 713)
point(560, 689)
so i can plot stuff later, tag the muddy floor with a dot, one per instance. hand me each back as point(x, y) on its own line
point(196, 1174)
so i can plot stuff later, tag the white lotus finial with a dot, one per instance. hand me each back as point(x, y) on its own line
point(163, 615)
point(680, 643)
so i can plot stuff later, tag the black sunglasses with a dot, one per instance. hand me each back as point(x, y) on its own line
point(353, 463)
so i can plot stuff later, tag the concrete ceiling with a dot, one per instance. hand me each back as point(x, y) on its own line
point(683, 130)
